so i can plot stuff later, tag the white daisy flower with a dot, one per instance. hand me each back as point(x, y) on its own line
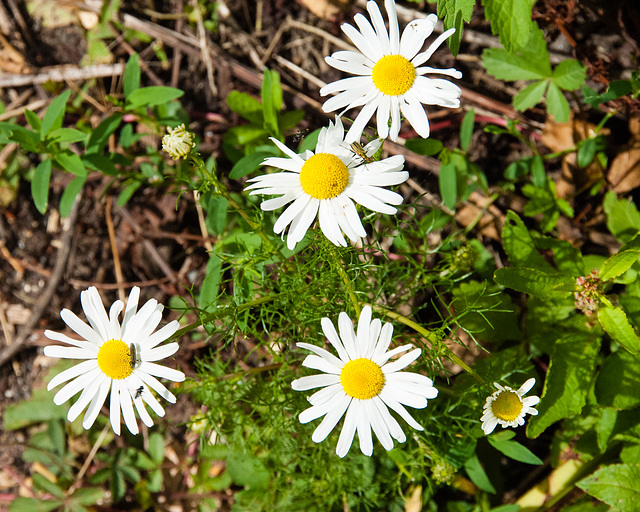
point(326, 184)
point(362, 384)
point(508, 407)
point(390, 73)
point(118, 358)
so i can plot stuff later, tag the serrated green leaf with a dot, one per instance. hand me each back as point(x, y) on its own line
point(535, 282)
point(248, 164)
point(40, 185)
point(514, 450)
point(569, 75)
point(70, 193)
point(530, 96)
point(616, 485)
point(557, 104)
point(623, 218)
point(477, 474)
point(21, 504)
point(618, 264)
point(615, 323)
point(247, 470)
point(88, 495)
point(510, 20)
point(568, 380)
point(46, 485)
point(519, 245)
point(39, 408)
point(54, 115)
point(448, 185)
point(131, 80)
point(453, 13)
point(150, 96)
point(466, 129)
point(616, 89)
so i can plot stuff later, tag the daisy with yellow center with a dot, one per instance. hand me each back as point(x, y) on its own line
point(118, 360)
point(361, 385)
point(508, 407)
point(326, 183)
point(178, 142)
point(390, 76)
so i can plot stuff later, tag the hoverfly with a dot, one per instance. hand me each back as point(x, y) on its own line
point(135, 355)
point(300, 135)
point(139, 392)
point(359, 150)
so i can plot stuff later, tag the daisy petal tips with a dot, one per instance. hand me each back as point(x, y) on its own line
point(118, 360)
point(327, 183)
point(508, 407)
point(390, 73)
point(361, 385)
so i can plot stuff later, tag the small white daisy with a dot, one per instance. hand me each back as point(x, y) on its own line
point(326, 184)
point(508, 407)
point(390, 73)
point(118, 358)
point(362, 384)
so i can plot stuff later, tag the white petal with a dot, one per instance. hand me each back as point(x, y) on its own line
point(80, 328)
point(424, 56)
point(362, 336)
point(348, 430)
point(70, 373)
point(96, 404)
point(403, 362)
point(319, 363)
point(383, 342)
point(322, 353)
point(329, 224)
point(526, 387)
point(158, 353)
point(331, 334)
point(363, 427)
point(378, 425)
point(132, 306)
point(161, 335)
point(88, 393)
point(326, 395)
point(347, 335)
point(156, 385)
point(83, 344)
point(314, 381)
point(114, 407)
point(76, 385)
point(94, 311)
point(160, 371)
point(394, 405)
point(393, 426)
point(331, 419)
point(127, 409)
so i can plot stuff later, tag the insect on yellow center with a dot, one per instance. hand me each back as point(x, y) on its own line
point(114, 359)
point(362, 379)
point(324, 176)
point(507, 406)
point(393, 75)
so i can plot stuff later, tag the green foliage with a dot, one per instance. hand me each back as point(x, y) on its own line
point(616, 485)
point(504, 443)
point(453, 13)
point(531, 62)
point(510, 20)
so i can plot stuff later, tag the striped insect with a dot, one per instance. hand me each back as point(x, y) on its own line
point(135, 355)
point(138, 392)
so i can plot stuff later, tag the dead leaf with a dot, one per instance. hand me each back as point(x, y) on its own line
point(414, 503)
point(327, 9)
point(624, 173)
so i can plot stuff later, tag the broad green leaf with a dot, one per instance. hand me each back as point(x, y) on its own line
point(131, 80)
point(39, 408)
point(514, 450)
point(605, 428)
point(476, 473)
point(510, 20)
point(271, 101)
point(217, 210)
point(453, 13)
point(67, 135)
point(557, 104)
point(427, 147)
point(309, 142)
point(100, 163)
point(616, 89)
point(150, 96)
point(248, 164)
point(616, 324)
point(88, 495)
point(70, 193)
point(519, 245)
point(40, 185)
point(586, 152)
point(28, 139)
point(618, 264)
point(245, 105)
point(530, 96)
point(156, 447)
point(54, 115)
point(535, 282)
point(538, 176)
point(211, 283)
point(448, 185)
point(288, 120)
point(623, 218)
point(616, 485)
point(569, 75)
point(70, 162)
point(466, 129)
point(100, 136)
point(33, 119)
point(510, 508)
point(46, 485)
point(21, 504)
point(568, 380)
point(127, 192)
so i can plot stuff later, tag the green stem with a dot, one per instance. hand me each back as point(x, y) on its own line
point(433, 339)
point(348, 284)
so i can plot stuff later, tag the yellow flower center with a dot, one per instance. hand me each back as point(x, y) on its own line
point(114, 359)
point(324, 176)
point(507, 406)
point(362, 379)
point(393, 75)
